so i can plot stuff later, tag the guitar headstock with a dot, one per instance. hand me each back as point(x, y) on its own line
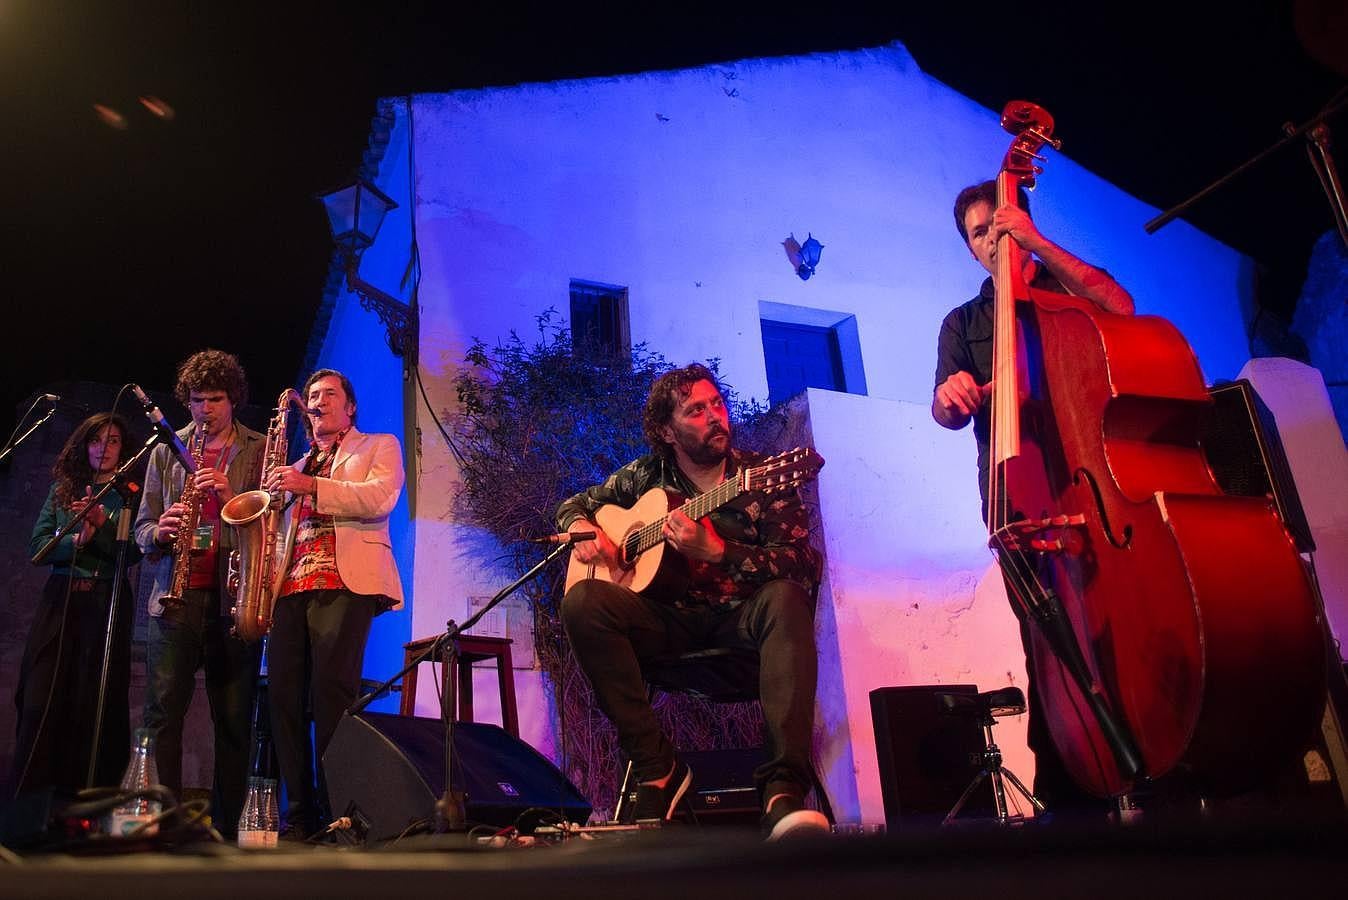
point(783, 471)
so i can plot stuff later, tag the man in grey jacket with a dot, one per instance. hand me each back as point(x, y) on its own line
point(190, 632)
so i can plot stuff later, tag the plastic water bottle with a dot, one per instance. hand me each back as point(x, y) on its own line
point(271, 813)
point(141, 774)
point(250, 820)
point(260, 821)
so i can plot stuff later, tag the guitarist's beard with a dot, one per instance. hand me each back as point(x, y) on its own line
point(707, 453)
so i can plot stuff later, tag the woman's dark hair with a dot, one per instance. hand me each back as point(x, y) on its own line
point(669, 390)
point(71, 471)
point(212, 370)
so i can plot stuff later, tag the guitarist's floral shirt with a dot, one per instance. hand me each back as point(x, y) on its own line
point(767, 536)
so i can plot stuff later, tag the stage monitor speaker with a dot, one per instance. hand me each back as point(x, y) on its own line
point(926, 755)
point(392, 768)
point(1240, 439)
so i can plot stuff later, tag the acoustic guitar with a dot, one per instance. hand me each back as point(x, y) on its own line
point(647, 564)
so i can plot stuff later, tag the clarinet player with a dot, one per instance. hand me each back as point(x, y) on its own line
point(189, 629)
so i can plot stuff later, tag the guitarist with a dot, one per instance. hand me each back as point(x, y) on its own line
point(752, 577)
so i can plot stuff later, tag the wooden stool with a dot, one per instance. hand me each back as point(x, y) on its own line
point(472, 648)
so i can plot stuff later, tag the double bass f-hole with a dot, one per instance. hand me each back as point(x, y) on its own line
point(1084, 474)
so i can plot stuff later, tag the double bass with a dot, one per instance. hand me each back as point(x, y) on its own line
point(1174, 629)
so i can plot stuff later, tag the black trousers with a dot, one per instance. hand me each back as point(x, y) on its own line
point(314, 659)
point(612, 629)
point(189, 636)
point(57, 692)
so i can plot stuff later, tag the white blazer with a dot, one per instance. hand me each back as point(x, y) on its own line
point(367, 478)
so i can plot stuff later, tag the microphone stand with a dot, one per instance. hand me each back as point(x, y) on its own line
point(450, 809)
point(5, 453)
point(1291, 134)
point(124, 519)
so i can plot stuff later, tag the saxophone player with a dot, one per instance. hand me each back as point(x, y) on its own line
point(337, 573)
point(192, 631)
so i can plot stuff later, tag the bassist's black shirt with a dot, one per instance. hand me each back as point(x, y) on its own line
point(965, 345)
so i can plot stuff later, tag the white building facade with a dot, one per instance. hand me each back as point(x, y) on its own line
point(680, 188)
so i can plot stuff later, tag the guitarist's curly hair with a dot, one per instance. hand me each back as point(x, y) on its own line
point(668, 391)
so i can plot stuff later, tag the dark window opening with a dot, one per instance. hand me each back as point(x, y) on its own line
point(599, 323)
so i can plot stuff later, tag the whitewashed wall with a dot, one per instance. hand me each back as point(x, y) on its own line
point(912, 595)
point(682, 186)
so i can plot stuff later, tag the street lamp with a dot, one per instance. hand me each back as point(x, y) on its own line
point(355, 212)
point(809, 257)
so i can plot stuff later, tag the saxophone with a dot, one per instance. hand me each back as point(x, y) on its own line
point(256, 518)
point(182, 539)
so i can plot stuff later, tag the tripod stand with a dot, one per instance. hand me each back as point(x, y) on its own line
point(986, 707)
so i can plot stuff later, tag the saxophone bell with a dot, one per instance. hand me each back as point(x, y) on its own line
point(240, 512)
point(256, 517)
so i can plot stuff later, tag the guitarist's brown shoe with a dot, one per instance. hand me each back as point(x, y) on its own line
point(658, 802)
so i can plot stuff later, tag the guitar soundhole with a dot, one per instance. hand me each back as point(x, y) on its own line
point(631, 547)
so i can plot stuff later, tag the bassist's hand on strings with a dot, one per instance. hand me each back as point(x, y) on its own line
point(958, 398)
point(600, 551)
point(695, 540)
point(1011, 219)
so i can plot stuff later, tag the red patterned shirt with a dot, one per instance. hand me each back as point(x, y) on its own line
point(313, 560)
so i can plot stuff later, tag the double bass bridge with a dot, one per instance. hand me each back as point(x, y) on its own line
point(1054, 534)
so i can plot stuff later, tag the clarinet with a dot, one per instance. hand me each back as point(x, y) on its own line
point(191, 498)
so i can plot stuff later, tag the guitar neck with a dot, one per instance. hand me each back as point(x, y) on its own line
point(653, 532)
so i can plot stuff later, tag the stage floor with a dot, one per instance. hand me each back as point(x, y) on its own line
point(1140, 861)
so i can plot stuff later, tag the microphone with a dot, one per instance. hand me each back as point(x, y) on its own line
point(54, 399)
point(566, 537)
point(157, 417)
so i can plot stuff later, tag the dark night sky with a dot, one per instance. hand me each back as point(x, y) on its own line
point(125, 250)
